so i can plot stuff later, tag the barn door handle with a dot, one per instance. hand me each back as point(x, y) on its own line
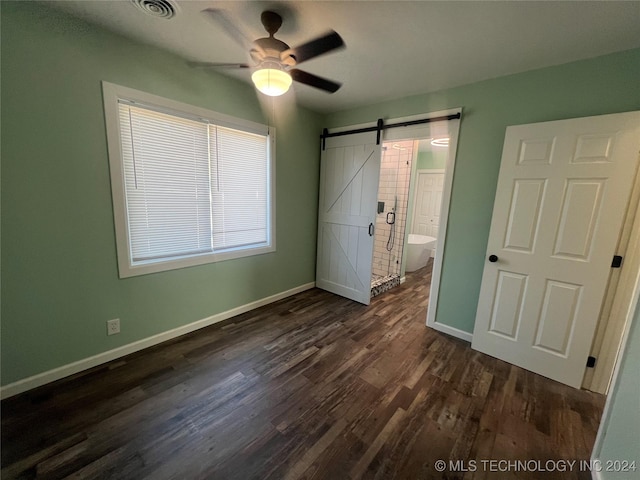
point(493, 258)
point(371, 229)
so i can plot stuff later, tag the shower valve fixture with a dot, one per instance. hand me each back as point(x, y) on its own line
point(391, 218)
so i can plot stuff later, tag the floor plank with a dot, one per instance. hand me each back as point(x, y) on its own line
point(314, 386)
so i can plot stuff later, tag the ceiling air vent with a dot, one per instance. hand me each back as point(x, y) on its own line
point(157, 8)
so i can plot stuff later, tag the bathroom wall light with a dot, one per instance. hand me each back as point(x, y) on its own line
point(271, 80)
point(440, 142)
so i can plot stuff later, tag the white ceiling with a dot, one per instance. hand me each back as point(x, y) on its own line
point(394, 48)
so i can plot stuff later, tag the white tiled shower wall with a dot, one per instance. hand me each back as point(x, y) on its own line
point(395, 174)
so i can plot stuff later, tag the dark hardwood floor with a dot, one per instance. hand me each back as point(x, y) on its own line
point(314, 387)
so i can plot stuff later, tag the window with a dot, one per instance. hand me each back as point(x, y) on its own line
point(189, 186)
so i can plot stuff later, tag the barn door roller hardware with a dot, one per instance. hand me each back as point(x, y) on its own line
point(381, 126)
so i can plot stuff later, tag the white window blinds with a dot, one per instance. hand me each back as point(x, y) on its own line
point(191, 187)
point(239, 188)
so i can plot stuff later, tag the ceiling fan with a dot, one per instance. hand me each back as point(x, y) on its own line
point(274, 59)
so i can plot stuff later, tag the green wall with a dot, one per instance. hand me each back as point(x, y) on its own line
point(59, 273)
point(621, 441)
point(432, 160)
point(607, 84)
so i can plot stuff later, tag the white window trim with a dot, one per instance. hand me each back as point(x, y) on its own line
point(111, 94)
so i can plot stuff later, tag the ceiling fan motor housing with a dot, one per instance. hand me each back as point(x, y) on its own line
point(273, 48)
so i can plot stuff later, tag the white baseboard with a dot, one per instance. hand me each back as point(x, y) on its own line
point(402, 280)
point(454, 332)
point(64, 371)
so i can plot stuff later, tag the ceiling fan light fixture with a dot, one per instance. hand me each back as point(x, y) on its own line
point(440, 142)
point(271, 81)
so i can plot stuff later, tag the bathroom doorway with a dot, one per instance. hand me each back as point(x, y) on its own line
point(425, 201)
point(407, 156)
point(410, 190)
point(353, 204)
point(391, 218)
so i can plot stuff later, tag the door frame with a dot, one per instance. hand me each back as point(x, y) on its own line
point(618, 304)
point(420, 132)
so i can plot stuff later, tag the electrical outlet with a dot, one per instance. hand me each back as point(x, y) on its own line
point(113, 326)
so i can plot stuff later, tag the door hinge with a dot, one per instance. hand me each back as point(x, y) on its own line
point(591, 362)
point(617, 261)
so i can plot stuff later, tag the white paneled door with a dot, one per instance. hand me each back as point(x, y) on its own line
point(349, 173)
point(562, 194)
point(426, 214)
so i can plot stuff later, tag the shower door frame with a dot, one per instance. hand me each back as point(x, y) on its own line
point(397, 268)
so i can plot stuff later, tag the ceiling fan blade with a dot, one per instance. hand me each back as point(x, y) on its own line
point(314, 81)
point(319, 46)
point(221, 18)
point(218, 65)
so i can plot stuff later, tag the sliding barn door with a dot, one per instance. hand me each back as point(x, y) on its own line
point(349, 173)
point(562, 193)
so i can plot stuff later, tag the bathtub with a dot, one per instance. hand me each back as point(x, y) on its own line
point(419, 249)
